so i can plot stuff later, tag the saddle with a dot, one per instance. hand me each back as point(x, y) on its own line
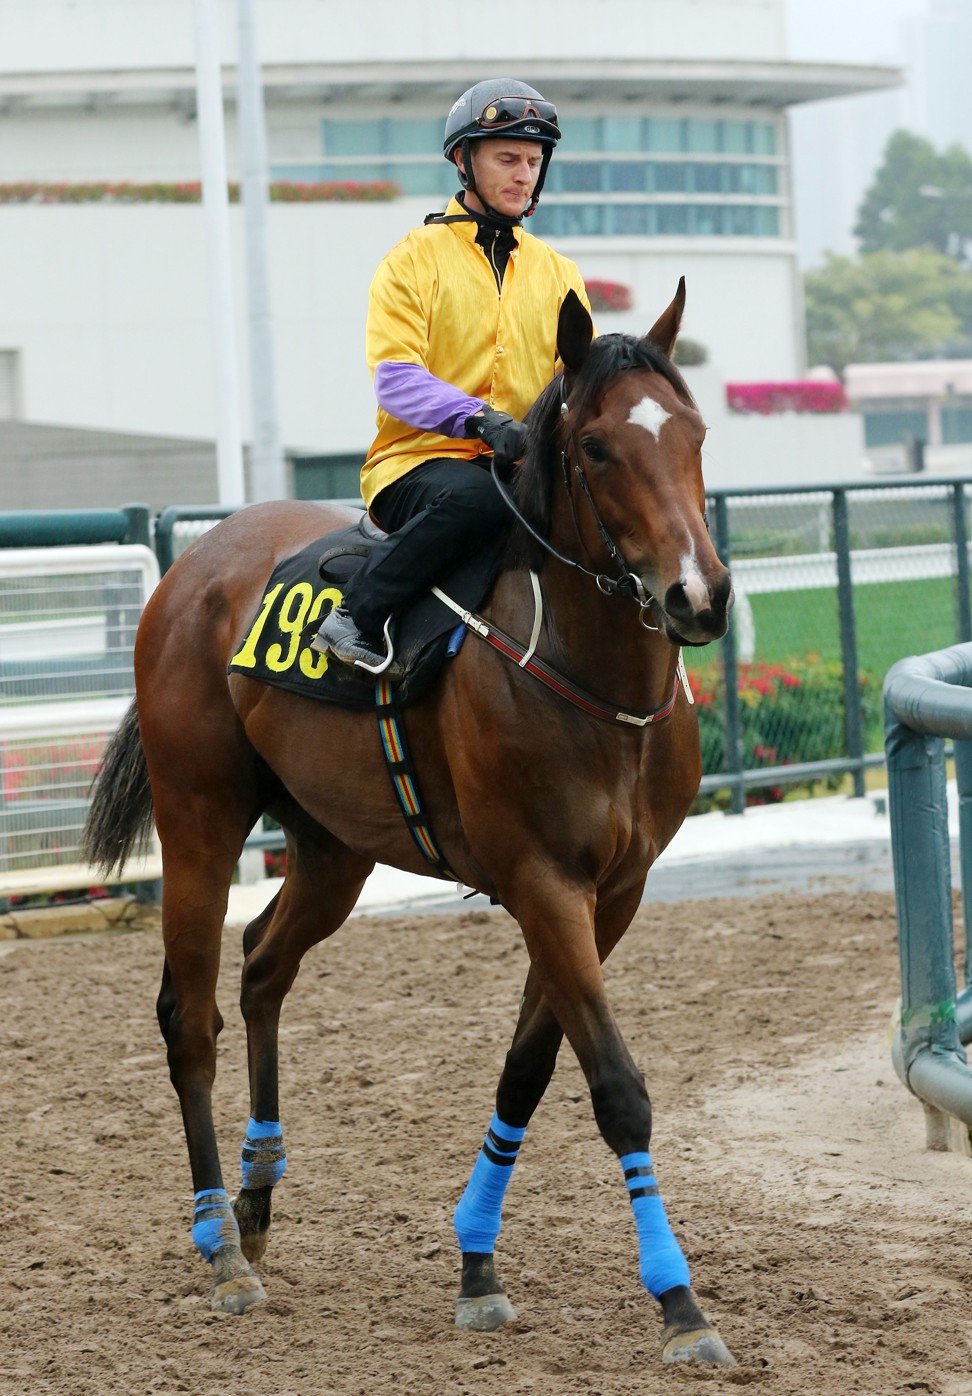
point(276, 646)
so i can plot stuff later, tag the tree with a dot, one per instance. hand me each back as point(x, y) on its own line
point(915, 304)
point(919, 198)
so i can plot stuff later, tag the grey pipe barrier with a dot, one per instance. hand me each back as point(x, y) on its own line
point(925, 701)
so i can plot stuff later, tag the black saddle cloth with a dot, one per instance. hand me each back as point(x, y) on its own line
point(276, 646)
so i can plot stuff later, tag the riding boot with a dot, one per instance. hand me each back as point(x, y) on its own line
point(340, 637)
point(413, 558)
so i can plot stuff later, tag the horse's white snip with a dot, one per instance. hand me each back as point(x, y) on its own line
point(649, 414)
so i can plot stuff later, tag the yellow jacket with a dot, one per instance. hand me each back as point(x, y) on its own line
point(434, 302)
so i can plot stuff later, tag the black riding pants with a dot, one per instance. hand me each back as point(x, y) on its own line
point(435, 516)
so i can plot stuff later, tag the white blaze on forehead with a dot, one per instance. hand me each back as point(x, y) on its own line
point(649, 414)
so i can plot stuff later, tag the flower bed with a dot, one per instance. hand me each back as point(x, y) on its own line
point(190, 192)
point(769, 398)
point(609, 295)
point(790, 714)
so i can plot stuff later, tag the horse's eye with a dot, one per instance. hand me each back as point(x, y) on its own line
point(593, 450)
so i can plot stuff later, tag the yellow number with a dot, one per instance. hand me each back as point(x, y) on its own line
point(247, 656)
point(313, 665)
point(291, 622)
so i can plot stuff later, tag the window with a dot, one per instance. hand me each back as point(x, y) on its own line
point(420, 178)
point(581, 220)
point(957, 422)
point(763, 138)
point(709, 179)
point(625, 175)
point(707, 220)
point(327, 477)
point(410, 137)
point(632, 220)
point(736, 137)
point(703, 136)
point(672, 219)
point(580, 176)
point(668, 177)
point(352, 138)
point(582, 133)
point(618, 174)
point(767, 222)
point(665, 136)
point(622, 133)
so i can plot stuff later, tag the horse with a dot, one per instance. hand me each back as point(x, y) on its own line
point(536, 800)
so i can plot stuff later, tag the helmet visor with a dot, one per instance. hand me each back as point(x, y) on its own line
point(523, 112)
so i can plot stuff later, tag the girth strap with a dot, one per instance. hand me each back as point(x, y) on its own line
point(401, 769)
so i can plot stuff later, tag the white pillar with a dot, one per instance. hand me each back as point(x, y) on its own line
point(268, 479)
point(933, 418)
point(212, 151)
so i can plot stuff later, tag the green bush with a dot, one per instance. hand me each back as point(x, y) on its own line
point(790, 713)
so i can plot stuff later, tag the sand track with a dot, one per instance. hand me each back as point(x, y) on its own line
point(833, 1251)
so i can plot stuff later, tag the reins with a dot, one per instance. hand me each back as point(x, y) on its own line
point(628, 584)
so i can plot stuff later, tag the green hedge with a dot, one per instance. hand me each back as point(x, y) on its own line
point(190, 192)
point(791, 713)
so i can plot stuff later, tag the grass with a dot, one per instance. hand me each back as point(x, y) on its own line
point(893, 620)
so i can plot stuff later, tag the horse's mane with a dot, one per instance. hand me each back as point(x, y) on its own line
point(532, 488)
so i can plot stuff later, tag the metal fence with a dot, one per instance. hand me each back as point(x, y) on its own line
point(833, 586)
point(926, 699)
point(68, 617)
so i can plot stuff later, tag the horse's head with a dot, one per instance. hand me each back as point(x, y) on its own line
point(634, 429)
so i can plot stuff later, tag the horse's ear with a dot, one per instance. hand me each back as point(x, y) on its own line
point(664, 331)
point(575, 330)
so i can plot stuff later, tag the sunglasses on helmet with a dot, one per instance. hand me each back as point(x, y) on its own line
point(510, 111)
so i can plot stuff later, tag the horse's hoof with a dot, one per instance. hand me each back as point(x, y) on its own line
point(485, 1313)
point(252, 1210)
point(253, 1244)
point(237, 1295)
point(700, 1345)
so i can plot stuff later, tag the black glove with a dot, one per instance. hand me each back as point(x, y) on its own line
point(503, 434)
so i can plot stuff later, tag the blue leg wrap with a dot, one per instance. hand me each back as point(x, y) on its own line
point(213, 1223)
point(662, 1264)
point(264, 1161)
point(477, 1217)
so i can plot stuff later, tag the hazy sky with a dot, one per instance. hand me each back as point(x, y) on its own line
point(850, 31)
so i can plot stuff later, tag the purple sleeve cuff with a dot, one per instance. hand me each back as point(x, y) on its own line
point(419, 399)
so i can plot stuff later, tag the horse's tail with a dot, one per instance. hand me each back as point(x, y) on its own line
point(120, 817)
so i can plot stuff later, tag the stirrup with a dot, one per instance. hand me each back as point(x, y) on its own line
point(388, 660)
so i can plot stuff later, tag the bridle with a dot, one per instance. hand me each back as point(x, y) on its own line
point(628, 584)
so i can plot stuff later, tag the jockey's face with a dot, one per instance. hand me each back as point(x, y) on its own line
point(505, 171)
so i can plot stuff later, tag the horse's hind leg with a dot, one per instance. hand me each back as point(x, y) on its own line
point(206, 800)
point(324, 880)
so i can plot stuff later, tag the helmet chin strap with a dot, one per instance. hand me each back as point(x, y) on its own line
point(502, 220)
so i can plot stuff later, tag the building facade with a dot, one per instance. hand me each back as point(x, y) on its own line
point(675, 160)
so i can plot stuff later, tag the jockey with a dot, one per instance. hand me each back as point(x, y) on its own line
point(461, 339)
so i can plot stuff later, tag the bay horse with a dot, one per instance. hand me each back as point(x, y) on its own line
point(555, 813)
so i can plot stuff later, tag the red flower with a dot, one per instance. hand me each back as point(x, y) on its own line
point(801, 396)
point(609, 295)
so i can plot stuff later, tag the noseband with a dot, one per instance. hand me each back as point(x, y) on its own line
point(628, 584)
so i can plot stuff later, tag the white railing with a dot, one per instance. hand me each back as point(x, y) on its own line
point(68, 617)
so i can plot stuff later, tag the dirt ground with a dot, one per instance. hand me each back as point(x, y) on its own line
point(832, 1250)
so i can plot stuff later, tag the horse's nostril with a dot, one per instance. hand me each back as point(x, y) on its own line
point(677, 603)
point(722, 595)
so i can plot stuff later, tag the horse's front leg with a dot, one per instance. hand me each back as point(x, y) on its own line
point(557, 919)
point(482, 1304)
